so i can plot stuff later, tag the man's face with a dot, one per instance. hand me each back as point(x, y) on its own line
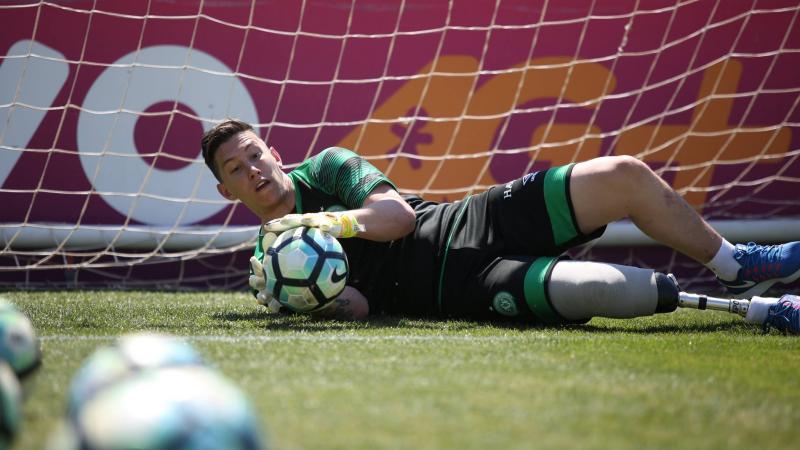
point(251, 172)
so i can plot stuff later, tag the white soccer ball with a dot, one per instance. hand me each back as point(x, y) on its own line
point(174, 408)
point(305, 269)
point(127, 355)
point(19, 343)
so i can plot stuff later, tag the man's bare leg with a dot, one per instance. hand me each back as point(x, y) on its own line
point(608, 189)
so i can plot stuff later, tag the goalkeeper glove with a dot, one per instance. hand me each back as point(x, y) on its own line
point(258, 278)
point(337, 224)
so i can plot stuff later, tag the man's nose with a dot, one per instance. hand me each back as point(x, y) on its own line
point(254, 171)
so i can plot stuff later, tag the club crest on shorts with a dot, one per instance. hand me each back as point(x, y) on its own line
point(504, 304)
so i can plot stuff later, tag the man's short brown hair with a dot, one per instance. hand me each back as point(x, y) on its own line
point(213, 138)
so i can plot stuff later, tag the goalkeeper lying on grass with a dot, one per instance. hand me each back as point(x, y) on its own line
point(493, 255)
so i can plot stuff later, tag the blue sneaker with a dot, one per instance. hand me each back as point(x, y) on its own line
point(784, 315)
point(763, 266)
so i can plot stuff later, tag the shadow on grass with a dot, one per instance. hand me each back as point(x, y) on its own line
point(305, 323)
point(670, 328)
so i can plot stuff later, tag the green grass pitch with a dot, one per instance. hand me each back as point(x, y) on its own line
point(685, 380)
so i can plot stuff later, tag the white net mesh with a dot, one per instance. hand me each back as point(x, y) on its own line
point(102, 105)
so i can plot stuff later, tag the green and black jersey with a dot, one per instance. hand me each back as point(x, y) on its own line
point(394, 276)
point(486, 256)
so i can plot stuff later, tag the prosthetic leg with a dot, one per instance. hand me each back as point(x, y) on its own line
point(580, 290)
point(672, 293)
point(695, 301)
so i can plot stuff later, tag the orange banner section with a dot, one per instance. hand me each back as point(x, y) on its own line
point(450, 148)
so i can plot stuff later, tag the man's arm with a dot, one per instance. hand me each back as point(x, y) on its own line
point(384, 215)
point(349, 305)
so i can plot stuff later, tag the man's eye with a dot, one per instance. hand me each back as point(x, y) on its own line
point(235, 169)
point(256, 155)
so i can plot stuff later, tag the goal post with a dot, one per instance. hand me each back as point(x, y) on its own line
point(102, 105)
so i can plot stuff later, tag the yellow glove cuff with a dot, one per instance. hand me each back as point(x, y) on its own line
point(350, 226)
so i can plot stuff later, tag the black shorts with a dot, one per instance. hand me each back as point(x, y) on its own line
point(499, 255)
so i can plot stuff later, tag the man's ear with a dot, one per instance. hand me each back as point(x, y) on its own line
point(223, 191)
point(277, 156)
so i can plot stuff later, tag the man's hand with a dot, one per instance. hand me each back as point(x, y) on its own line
point(337, 224)
point(258, 279)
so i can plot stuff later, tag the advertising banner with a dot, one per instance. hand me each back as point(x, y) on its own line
point(102, 104)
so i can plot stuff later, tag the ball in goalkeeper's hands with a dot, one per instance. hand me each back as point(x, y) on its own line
point(305, 269)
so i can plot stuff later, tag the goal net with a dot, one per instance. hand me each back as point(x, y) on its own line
point(102, 105)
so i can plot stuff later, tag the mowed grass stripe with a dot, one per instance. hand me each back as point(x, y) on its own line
point(686, 380)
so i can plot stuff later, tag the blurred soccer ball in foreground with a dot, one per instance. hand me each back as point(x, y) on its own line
point(10, 405)
point(305, 269)
point(174, 408)
point(154, 391)
point(129, 354)
point(19, 344)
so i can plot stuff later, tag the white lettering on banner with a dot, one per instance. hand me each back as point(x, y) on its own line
point(106, 124)
point(31, 74)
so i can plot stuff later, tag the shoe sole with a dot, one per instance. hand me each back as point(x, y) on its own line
point(764, 286)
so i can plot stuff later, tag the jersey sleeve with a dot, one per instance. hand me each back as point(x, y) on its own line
point(340, 172)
